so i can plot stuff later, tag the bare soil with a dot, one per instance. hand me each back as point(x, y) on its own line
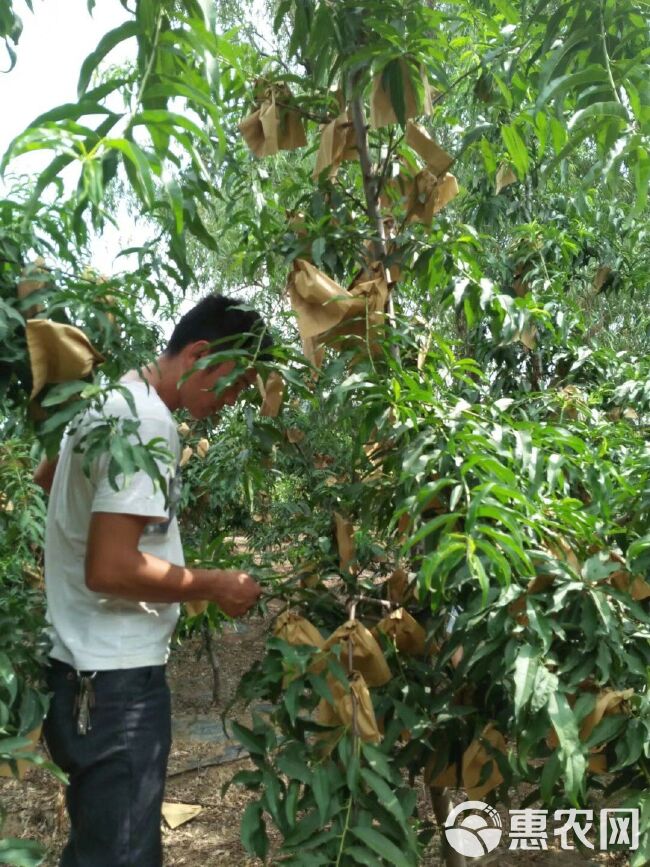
point(202, 760)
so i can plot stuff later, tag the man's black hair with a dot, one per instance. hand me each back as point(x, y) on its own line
point(224, 322)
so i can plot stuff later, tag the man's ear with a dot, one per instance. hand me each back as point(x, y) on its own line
point(197, 350)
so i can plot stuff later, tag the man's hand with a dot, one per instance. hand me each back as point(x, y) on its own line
point(234, 591)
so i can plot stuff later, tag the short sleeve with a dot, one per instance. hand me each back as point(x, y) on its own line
point(139, 494)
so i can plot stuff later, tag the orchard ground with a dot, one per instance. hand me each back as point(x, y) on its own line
point(201, 761)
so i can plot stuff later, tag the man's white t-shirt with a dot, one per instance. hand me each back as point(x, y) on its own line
point(92, 631)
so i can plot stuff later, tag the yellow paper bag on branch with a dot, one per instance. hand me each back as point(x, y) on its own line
point(337, 143)
point(344, 541)
point(505, 177)
point(195, 608)
point(360, 652)
point(409, 637)
point(352, 707)
point(272, 395)
point(371, 285)
point(318, 301)
point(635, 585)
point(295, 630)
point(382, 112)
point(429, 195)
point(437, 159)
point(475, 757)
point(609, 702)
point(58, 353)
point(275, 125)
point(399, 587)
point(325, 311)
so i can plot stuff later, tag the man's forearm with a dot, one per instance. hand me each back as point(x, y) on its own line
point(148, 578)
point(115, 566)
point(44, 473)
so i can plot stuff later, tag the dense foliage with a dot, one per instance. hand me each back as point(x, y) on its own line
point(493, 447)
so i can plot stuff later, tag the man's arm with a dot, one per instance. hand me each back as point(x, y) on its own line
point(44, 473)
point(114, 565)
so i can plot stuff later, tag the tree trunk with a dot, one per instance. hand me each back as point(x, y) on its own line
point(371, 189)
point(441, 803)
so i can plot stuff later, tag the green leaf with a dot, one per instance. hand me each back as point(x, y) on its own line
point(393, 81)
point(377, 760)
point(387, 796)
point(382, 846)
point(253, 830)
point(598, 110)
point(526, 667)
point(255, 744)
point(60, 393)
point(321, 789)
point(140, 175)
point(572, 758)
point(293, 763)
point(362, 856)
point(516, 149)
point(106, 44)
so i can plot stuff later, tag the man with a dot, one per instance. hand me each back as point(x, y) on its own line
point(114, 576)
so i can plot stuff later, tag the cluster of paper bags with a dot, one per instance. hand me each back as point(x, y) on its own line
point(362, 659)
point(366, 667)
point(276, 124)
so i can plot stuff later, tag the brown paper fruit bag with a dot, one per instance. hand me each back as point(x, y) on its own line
point(272, 395)
point(505, 177)
point(195, 608)
point(58, 353)
point(337, 143)
point(475, 757)
point(409, 637)
point(436, 158)
point(382, 112)
point(318, 301)
point(325, 311)
point(352, 707)
point(609, 702)
point(399, 587)
point(344, 541)
point(429, 195)
point(365, 318)
point(367, 656)
point(274, 126)
point(635, 585)
point(297, 630)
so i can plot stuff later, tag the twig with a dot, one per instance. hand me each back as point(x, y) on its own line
point(319, 118)
point(608, 65)
point(208, 637)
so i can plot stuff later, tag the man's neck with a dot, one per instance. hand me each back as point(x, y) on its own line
point(162, 376)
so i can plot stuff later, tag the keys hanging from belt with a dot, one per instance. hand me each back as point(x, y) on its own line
point(84, 701)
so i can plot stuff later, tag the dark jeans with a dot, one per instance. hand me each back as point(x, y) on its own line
point(117, 770)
